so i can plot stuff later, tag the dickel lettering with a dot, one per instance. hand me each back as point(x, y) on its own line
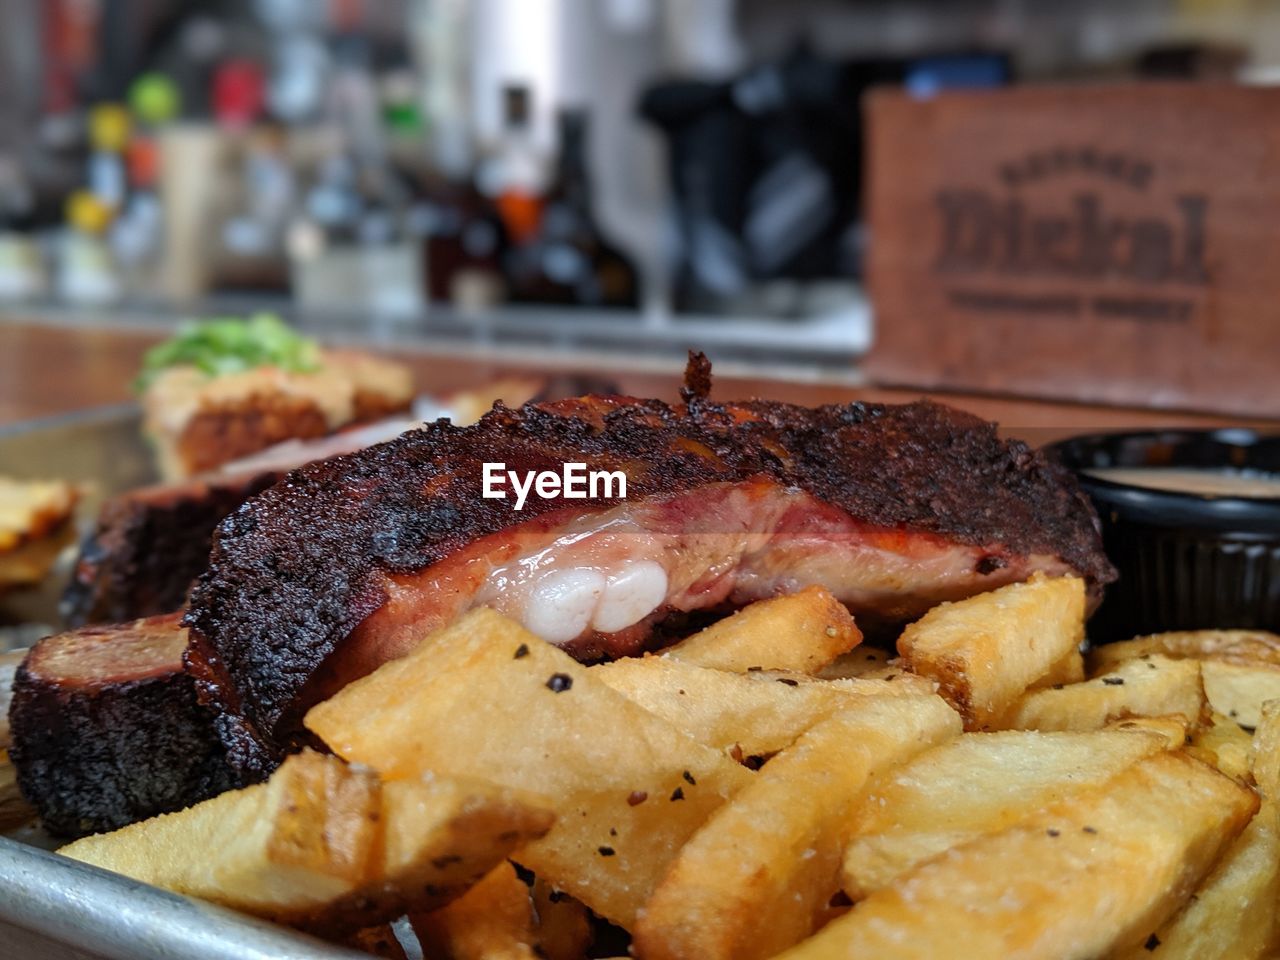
point(982, 232)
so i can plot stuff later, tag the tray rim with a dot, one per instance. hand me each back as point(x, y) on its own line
point(92, 912)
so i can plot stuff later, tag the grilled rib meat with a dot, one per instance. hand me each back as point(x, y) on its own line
point(349, 562)
point(106, 728)
point(149, 545)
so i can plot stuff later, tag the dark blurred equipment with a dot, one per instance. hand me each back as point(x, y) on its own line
point(1193, 61)
point(766, 169)
point(568, 260)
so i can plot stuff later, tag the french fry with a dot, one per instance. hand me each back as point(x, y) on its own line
point(284, 849)
point(1239, 688)
point(439, 835)
point(1153, 687)
point(987, 650)
point(1093, 874)
point(756, 878)
point(379, 941)
point(978, 784)
point(801, 631)
point(1192, 645)
point(758, 713)
point(1241, 668)
point(858, 663)
point(1223, 744)
point(1264, 752)
point(1070, 669)
point(324, 846)
point(485, 698)
point(491, 921)
point(1230, 916)
point(894, 681)
point(1173, 729)
point(562, 926)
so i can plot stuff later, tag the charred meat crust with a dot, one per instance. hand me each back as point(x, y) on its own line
point(94, 754)
point(296, 569)
point(148, 546)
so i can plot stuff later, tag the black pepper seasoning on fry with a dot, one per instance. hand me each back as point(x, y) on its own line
point(677, 794)
point(559, 682)
point(522, 651)
point(637, 797)
point(605, 851)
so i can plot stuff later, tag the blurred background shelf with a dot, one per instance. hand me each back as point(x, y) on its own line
point(821, 347)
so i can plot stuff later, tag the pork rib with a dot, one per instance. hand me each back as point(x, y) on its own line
point(106, 728)
point(347, 563)
point(149, 545)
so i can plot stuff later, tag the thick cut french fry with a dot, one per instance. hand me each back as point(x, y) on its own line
point(1096, 873)
point(759, 713)
point(1154, 687)
point(324, 846)
point(860, 662)
point(283, 849)
point(986, 651)
point(1239, 688)
point(1231, 915)
point(1264, 752)
point(485, 698)
point(439, 835)
point(757, 877)
point(379, 941)
point(1223, 744)
point(1070, 669)
point(978, 784)
point(562, 925)
point(1173, 729)
point(1190, 644)
point(491, 921)
point(1241, 668)
point(802, 631)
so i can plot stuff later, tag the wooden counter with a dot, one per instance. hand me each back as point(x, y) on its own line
point(47, 370)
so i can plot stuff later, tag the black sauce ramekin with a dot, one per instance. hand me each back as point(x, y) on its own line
point(1187, 561)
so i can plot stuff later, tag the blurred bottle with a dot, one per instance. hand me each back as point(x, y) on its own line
point(109, 127)
point(22, 275)
point(569, 260)
point(137, 234)
point(86, 269)
point(464, 238)
point(464, 244)
point(514, 174)
point(351, 246)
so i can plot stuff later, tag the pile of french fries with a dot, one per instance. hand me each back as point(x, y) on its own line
point(768, 787)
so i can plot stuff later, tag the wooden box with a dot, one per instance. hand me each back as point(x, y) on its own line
point(1116, 244)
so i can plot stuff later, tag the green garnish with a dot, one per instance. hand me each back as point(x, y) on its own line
point(231, 345)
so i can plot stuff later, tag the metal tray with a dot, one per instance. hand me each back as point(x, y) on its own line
point(52, 908)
